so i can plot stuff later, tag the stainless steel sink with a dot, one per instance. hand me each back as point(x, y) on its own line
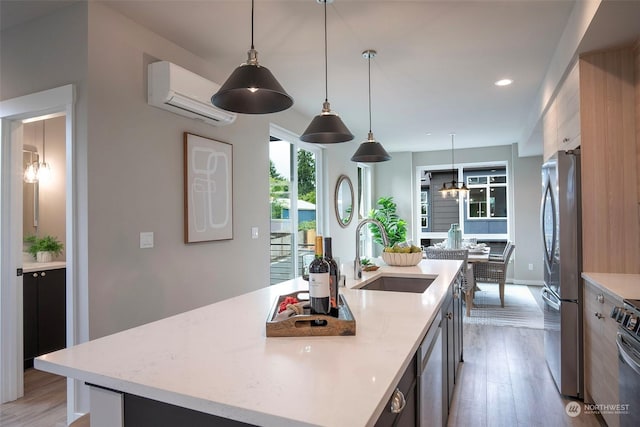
point(398, 284)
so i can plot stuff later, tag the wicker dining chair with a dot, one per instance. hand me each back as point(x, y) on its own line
point(468, 281)
point(494, 270)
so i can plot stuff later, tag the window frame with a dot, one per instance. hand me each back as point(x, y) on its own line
point(461, 167)
point(487, 186)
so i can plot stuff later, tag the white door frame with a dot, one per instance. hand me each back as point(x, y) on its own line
point(12, 113)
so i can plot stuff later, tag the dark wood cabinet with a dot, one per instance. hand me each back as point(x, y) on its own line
point(452, 345)
point(402, 414)
point(44, 313)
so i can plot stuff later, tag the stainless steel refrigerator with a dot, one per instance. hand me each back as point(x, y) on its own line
point(562, 291)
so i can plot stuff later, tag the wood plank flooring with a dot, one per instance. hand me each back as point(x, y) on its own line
point(44, 403)
point(504, 381)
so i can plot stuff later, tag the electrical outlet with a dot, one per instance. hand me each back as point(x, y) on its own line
point(530, 266)
point(254, 232)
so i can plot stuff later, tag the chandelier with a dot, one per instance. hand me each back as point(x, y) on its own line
point(452, 189)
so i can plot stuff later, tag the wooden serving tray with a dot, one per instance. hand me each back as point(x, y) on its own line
point(305, 325)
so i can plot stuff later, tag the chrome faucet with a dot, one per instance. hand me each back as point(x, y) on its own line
point(357, 265)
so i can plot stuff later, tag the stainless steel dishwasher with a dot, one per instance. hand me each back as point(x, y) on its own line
point(430, 385)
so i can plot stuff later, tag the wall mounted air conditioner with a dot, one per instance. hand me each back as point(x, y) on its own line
point(180, 91)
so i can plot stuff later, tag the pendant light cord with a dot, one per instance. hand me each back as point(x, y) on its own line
point(369, 60)
point(44, 160)
point(252, 2)
point(453, 163)
point(326, 67)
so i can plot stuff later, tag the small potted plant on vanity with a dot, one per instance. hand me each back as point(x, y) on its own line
point(43, 249)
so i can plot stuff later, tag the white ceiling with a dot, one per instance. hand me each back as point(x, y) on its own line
point(434, 73)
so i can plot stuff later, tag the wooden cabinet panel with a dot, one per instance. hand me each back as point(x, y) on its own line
point(600, 351)
point(568, 111)
point(550, 131)
point(610, 215)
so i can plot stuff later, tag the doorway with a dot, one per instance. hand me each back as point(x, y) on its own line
point(16, 116)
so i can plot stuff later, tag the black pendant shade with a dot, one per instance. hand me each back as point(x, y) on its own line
point(251, 88)
point(326, 128)
point(370, 151)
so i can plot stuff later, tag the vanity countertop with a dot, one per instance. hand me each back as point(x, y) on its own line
point(30, 267)
point(217, 359)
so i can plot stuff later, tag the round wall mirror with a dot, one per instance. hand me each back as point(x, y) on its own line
point(343, 200)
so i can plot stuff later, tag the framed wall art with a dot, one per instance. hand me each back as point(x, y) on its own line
point(208, 189)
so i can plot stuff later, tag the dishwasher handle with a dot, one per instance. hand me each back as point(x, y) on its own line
point(626, 351)
point(549, 301)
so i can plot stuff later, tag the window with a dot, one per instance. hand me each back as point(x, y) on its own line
point(482, 214)
point(487, 197)
point(294, 193)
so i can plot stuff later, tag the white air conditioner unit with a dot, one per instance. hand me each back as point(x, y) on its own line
point(180, 91)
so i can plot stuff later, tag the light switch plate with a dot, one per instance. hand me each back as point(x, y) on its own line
point(146, 239)
point(254, 232)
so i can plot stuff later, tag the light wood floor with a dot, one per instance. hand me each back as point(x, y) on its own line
point(504, 381)
point(44, 403)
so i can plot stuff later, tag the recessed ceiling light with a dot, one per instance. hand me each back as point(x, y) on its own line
point(503, 82)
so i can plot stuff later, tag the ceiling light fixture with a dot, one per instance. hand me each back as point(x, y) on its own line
point(370, 151)
point(326, 127)
point(251, 88)
point(44, 169)
point(503, 82)
point(31, 171)
point(37, 171)
point(452, 189)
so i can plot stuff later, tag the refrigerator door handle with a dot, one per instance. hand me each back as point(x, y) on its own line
point(549, 301)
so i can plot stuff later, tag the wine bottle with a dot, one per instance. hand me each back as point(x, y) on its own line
point(319, 282)
point(334, 274)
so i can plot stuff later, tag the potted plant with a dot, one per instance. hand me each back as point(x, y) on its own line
point(43, 249)
point(395, 227)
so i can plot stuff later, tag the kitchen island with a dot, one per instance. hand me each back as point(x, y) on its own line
point(217, 359)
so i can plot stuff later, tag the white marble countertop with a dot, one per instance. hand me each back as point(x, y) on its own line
point(622, 286)
point(29, 267)
point(218, 360)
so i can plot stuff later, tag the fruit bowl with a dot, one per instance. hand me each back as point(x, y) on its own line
point(401, 259)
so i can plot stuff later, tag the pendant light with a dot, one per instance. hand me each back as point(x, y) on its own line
point(38, 171)
point(370, 151)
point(31, 171)
point(326, 127)
point(251, 88)
point(452, 189)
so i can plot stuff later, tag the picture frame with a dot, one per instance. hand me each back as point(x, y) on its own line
point(208, 189)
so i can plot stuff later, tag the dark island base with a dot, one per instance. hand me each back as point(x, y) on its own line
point(142, 412)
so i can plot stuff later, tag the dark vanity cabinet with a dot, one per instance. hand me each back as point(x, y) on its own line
point(44, 313)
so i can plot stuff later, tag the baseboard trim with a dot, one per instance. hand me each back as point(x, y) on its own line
point(525, 282)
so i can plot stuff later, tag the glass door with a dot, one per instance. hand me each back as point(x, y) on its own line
point(293, 193)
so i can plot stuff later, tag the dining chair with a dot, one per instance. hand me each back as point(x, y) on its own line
point(494, 270)
point(468, 281)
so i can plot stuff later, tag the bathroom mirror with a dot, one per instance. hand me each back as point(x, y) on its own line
point(343, 201)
